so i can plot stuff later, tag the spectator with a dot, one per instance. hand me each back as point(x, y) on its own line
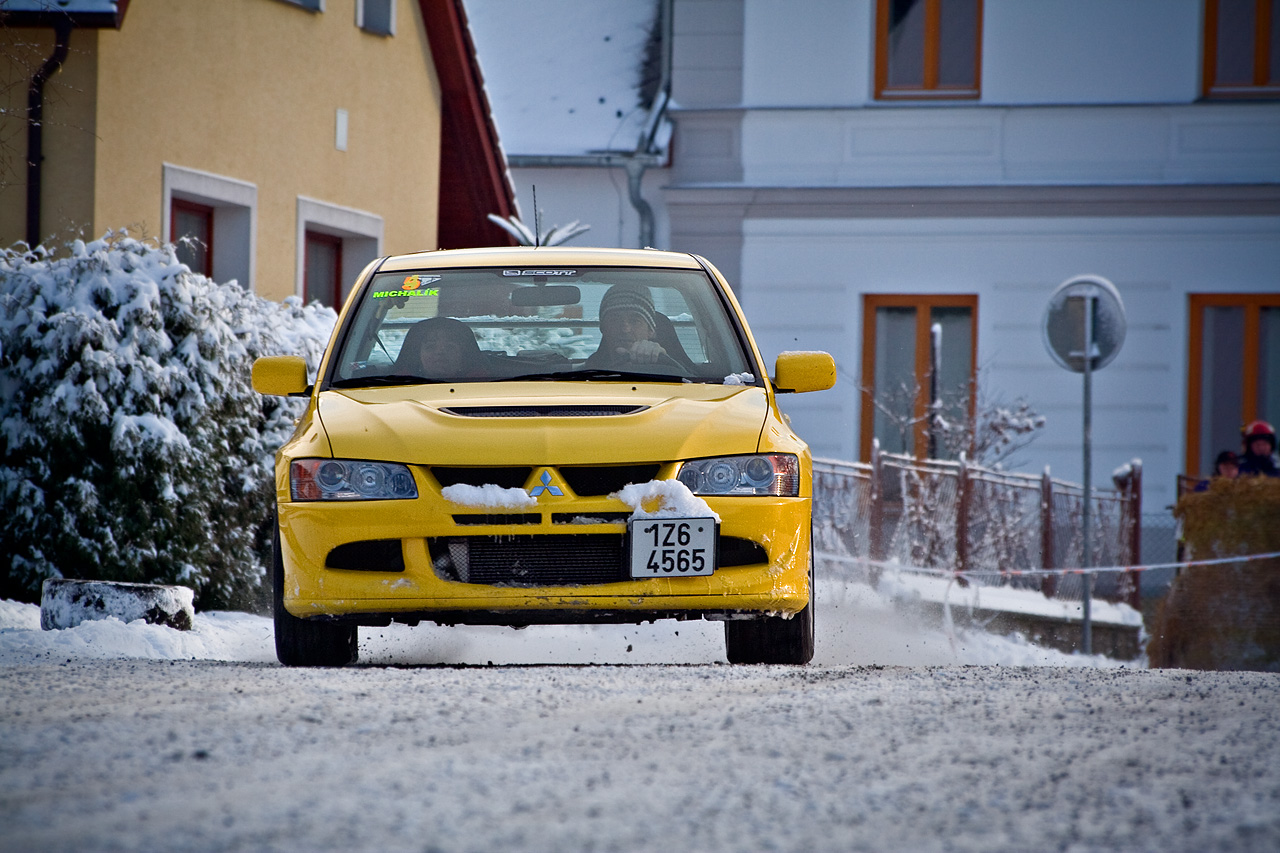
point(1259, 449)
point(1227, 466)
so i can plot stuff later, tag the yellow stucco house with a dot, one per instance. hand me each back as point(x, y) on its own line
point(294, 140)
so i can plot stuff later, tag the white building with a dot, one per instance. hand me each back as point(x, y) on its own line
point(860, 169)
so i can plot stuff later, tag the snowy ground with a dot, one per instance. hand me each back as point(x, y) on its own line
point(112, 737)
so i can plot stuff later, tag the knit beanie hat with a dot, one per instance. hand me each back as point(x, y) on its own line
point(629, 297)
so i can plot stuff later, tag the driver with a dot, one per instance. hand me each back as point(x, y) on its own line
point(627, 329)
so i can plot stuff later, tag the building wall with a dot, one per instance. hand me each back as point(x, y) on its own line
point(1013, 264)
point(929, 146)
point(1089, 151)
point(246, 92)
point(1043, 52)
point(249, 90)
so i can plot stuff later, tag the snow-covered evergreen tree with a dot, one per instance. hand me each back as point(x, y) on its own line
point(132, 446)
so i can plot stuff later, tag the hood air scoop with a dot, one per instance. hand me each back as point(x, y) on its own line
point(542, 411)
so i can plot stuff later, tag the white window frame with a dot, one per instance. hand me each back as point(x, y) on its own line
point(391, 30)
point(361, 234)
point(235, 218)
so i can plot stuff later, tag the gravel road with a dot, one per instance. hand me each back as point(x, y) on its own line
point(201, 755)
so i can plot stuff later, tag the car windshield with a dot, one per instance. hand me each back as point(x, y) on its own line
point(582, 323)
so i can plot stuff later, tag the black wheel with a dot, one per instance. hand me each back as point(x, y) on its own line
point(303, 643)
point(773, 639)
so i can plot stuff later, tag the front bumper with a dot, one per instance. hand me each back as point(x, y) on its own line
point(414, 589)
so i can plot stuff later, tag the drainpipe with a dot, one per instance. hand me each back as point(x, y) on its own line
point(636, 166)
point(35, 127)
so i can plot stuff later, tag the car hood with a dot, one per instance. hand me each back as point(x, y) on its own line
point(441, 424)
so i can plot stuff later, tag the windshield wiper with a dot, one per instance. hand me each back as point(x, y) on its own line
point(383, 380)
point(589, 374)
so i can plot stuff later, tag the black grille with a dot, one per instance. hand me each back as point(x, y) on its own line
point(498, 518)
point(552, 560)
point(542, 411)
point(590, 517)
point(732, 551)
point(596, 480)
point(507, 478)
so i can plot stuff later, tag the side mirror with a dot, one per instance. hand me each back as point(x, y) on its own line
point(281, 375)
point(797, 372)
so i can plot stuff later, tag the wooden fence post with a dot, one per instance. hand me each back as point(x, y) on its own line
point(1048, 583)
point(962, 518)
point(875, 524)
point(1135, 542)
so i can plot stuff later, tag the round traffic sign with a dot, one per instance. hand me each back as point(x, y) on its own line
point(1064, 327)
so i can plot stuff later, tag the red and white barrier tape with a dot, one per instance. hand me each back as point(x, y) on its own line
point(1010, 573)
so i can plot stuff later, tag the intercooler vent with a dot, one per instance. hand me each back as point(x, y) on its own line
point(553, 560)
point(507, 478)
point(369, 555)
point(542, 411)
point(597, 480)
point(498, 518)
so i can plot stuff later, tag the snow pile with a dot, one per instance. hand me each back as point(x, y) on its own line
point(216, 635)
point(132, 447)
point(909, 587)
point(740, 379)
point(856, 626)
point(488, 496)
point(663, 499)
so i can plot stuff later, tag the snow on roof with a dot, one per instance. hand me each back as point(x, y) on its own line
point(563, 76)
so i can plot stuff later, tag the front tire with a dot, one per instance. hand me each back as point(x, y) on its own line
point(773, 639)
point(303, 643)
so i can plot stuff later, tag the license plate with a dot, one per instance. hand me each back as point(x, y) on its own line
point(672, 547)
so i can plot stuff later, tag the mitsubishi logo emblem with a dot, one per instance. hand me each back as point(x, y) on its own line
point(546, 487)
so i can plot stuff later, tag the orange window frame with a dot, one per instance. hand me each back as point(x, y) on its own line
point(923, 303)
point(932, 48)
point(1253, 303)
point(1262, 85)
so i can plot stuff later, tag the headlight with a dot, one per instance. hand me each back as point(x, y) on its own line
point(767, 474)
point(349, 480)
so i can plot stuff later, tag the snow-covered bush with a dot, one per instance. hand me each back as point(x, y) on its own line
point(988, 432)
point(132, 447)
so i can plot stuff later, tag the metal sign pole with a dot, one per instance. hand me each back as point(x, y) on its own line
point(1086, 628)
point(1102, 326)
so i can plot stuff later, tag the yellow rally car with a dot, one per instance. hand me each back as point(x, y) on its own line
point(535, 436)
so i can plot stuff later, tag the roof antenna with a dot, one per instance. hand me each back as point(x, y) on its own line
point(537, 222)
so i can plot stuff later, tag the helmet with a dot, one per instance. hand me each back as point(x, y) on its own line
point(1258, 429)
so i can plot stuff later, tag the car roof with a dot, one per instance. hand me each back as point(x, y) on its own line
point(554, 256)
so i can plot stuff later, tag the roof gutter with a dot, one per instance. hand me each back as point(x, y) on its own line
point(634, 162)
point(35, 127)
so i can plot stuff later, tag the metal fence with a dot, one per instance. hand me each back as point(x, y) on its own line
point(959, 517)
